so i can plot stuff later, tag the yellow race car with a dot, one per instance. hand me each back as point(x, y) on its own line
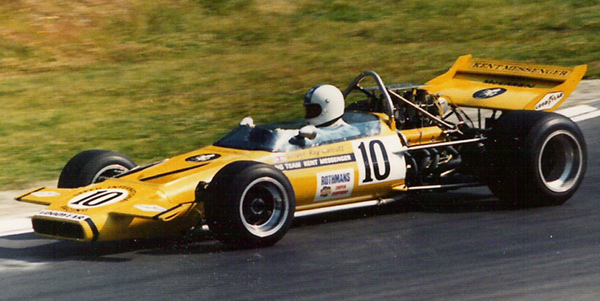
point(393, 141)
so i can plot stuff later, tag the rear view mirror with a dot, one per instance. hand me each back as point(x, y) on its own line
point(248, 121)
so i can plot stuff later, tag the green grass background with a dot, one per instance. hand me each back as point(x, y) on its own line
point(157, 78)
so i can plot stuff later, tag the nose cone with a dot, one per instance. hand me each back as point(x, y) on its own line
point(64, 225)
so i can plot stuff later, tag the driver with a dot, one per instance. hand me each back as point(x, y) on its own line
point(324, 106)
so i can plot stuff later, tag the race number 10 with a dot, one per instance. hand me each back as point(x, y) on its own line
point(379, 160)
point(98, 198)
point(375, 159)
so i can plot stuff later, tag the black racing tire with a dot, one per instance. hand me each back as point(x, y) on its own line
point(93, 166)
point(537, 158)
point(249, 204)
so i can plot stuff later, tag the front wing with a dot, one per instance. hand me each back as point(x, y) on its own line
point(89, 214)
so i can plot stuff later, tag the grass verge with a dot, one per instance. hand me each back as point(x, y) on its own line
point(154, 79)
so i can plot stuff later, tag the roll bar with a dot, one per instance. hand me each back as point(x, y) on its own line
point(389, 104)
point(388, 100)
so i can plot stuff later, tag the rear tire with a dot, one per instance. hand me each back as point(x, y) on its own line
point(249, 204)
point(93, 166)
point(537, 158)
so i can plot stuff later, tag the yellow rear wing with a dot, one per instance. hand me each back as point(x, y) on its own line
point(503, 85)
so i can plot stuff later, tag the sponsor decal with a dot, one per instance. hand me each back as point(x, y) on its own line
point(331, 160)
point(488, 93)
point(203, 158)
point(334, 184)
point(508, 83)
point(98, 198)
point(63, 215)
point(549, 101)
point(520, 69)
point(150, 208)
point(45, 194)
point(336, 159)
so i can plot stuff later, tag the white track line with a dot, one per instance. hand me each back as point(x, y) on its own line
point(580, 113)
point(15, 225)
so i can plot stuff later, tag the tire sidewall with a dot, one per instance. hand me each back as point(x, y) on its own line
point(536, 139)
point(224, 200)
point(514, 152)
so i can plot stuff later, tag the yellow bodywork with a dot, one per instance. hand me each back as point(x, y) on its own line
point(423, 135)
point(159, 200)
point(522, 86)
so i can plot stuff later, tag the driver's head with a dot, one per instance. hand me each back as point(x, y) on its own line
point(324, 105)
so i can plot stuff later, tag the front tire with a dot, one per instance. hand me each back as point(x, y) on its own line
point(538, 158)
point(93, 166)
point(249, 204)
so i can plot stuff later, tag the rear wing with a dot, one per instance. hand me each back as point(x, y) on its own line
point(503, 85)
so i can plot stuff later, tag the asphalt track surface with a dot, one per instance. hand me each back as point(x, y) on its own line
point(461, 245)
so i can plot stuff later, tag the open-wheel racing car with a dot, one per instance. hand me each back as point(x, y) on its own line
point(395, 140)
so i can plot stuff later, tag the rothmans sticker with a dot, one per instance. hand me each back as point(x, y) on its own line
point(334, 184)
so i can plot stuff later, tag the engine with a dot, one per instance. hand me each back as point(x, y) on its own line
point(408, 117)
point(435, 165)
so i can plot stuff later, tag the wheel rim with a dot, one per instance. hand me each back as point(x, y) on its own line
point(264, 207)
point(560, 162)
point(109, 171)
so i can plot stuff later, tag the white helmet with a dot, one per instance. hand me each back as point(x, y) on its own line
point(324, 105)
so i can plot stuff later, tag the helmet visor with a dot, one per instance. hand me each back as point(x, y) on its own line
point(312, 110)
